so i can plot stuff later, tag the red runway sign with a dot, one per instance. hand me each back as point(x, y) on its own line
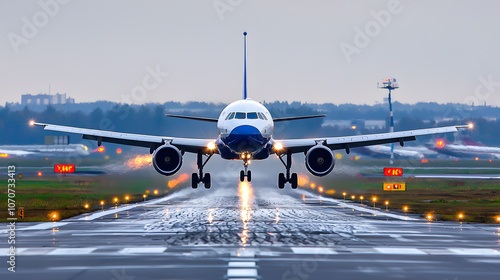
point(393, 171)
point(64, 168)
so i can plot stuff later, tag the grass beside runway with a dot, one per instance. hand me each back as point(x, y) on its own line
point(417, 163)
point(417, 171)
point(67, 197)
point(477, 200)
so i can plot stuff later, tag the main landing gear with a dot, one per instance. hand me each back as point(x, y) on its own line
point(282, 179)
point(200, 177)
point(246, 157)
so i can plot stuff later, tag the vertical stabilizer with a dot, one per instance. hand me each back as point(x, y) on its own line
point(245, 65)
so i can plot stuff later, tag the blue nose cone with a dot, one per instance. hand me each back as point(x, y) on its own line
point(245, 138)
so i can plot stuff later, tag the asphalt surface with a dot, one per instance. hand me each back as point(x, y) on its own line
point(251, 231)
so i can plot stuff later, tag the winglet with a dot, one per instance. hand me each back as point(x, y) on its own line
point(468, 126)
point(38, 124)
point(245, 65)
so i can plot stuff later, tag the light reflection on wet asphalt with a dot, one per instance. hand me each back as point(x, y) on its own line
point(259, 230)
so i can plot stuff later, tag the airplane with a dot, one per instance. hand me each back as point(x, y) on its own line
point(43, 150)
point(467, 149)
point(245, 133)
point(382, 151)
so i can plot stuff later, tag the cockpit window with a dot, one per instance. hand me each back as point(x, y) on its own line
point(230, 116)
point(252, 116)
point(263, 116)
point(240, 116)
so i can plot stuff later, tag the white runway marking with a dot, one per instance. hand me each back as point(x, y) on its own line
point(475, 252)
point(484, 260)
point(242, 264)
point(96, 215)
point(359, 208)
point(143, 250)
point(313, 251)
point(44, 226)
point(242, 272)
point(72, 251)
point(120, 209)
point(399, 251)
point(240, 267)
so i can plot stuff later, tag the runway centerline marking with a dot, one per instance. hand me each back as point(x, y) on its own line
point(240, 268)
point(241, 264)
point(242, 272)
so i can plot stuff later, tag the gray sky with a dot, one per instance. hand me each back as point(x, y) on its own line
point(310, 51)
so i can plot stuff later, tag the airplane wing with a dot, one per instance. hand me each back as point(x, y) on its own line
point(297, 118)
point(192, 118)
point(348, 142)
point(149, 141)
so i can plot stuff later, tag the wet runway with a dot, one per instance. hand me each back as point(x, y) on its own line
point(252, 231)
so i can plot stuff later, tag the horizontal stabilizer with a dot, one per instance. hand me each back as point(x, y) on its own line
point(298, 118)
point(192, 118)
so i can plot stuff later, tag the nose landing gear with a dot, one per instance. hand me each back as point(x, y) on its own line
point(246, 157)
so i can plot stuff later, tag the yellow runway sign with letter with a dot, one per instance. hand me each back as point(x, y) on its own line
point(394, 186)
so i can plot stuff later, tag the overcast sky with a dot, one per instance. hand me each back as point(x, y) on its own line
point(310, 51)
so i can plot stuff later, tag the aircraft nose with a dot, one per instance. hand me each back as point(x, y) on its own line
point(245, 138)
point(244, 130)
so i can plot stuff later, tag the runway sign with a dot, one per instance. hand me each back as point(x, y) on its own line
point(64, 168)
point(20, 213)
point(394, 186)
point(393, 171)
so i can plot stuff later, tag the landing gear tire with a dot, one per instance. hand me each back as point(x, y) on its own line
point(194, 180)
point(294, 180)
point(281, 181)
point(242, 176)
point(207, 180)
point(249, 176)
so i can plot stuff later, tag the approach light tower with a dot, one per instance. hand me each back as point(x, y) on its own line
point(390, 84)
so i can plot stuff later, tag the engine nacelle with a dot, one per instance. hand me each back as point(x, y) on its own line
point(167, 160)
point(320, 160)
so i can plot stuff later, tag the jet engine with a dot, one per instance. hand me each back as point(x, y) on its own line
point(167, 160)
point(320, 160)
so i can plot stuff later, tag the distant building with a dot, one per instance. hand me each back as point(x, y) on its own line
point(46, 99)
point(375, 124)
